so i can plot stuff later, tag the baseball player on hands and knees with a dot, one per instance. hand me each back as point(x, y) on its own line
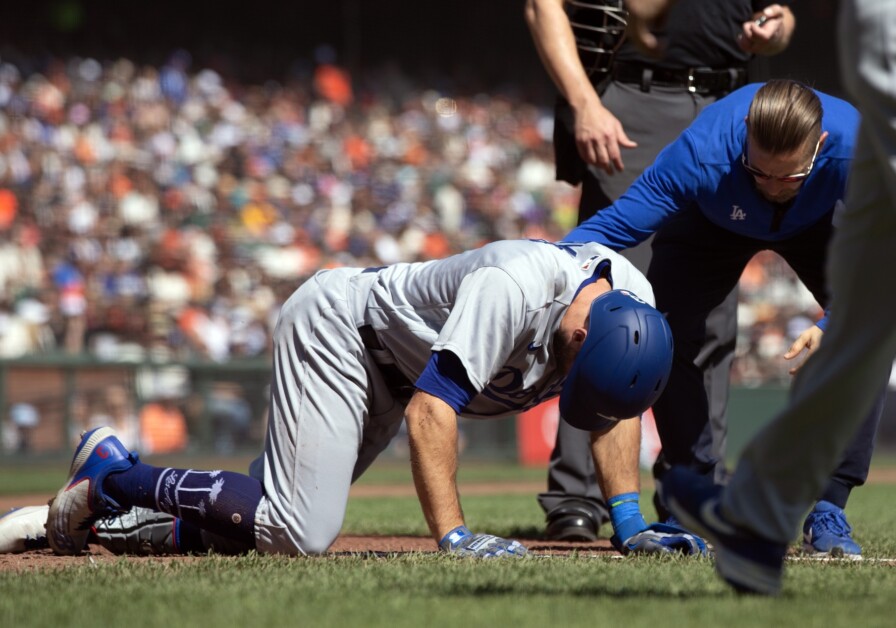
point(486, 333)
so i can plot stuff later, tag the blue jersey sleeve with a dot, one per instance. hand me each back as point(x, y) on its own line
point(667, 186)
point(445, 377)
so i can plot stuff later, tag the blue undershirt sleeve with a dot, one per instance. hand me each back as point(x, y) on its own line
point(822, 323)
point(446, 378)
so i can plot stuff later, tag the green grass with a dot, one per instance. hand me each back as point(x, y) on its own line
point(435, 590)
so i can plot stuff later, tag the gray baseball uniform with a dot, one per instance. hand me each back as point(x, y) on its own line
point(332, 409)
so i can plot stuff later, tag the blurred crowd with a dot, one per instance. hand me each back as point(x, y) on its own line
point(167, 212)
point(774, 308)
point(151, 211)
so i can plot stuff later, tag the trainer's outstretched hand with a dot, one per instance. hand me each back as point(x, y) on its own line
point(662, 538)
point(809, 340)
point(462, 542)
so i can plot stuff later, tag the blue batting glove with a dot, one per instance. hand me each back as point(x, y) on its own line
point(462, 542)
point(662, 538)
point(632, 535)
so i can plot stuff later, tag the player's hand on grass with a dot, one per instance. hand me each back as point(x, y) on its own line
point(462, 542)
point(662, 538)
point(809, 341)
point(632, 535)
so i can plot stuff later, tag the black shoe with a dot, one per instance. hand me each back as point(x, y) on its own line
point(572, 523)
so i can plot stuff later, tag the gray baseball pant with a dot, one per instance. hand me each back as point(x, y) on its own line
point(331, 415)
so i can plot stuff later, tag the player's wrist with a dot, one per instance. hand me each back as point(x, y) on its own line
point(625, 515)
point(455, 538)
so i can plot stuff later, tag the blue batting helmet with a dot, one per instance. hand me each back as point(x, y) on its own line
point(623, 364)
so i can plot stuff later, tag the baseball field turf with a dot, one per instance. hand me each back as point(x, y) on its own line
point(562, 585)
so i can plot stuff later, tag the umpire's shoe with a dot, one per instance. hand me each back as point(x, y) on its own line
point(571, 521)
point(747, 562)
point(81, 501)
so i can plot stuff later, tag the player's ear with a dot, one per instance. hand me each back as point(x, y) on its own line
point(578, 337)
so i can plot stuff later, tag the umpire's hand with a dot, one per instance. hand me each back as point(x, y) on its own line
point(600, 136)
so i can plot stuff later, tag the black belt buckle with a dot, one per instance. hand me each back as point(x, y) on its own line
point(702, 80)
point(690, 84)
point(708, 81)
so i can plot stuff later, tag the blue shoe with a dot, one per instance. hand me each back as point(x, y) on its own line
point(827, 533)
point(81, 501)
point(747, 562)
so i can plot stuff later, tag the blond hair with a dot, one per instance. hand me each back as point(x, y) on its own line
point(785, 116)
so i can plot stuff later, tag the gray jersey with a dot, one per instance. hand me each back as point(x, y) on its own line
point(497, 309)
point(332, 411)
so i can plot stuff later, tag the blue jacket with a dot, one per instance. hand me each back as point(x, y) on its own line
point(702, 167)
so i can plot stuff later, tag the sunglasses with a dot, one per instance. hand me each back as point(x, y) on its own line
point(790, 178)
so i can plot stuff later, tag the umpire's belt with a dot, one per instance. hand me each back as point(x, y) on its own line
point(400, 386)
point(697, 80)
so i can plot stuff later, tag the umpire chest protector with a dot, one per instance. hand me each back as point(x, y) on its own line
point(598, 28)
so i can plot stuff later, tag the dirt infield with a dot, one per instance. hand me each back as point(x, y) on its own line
point(349, 545)
point(346, 544)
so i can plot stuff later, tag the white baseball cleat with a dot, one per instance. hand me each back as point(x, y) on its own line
point(24, 529)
